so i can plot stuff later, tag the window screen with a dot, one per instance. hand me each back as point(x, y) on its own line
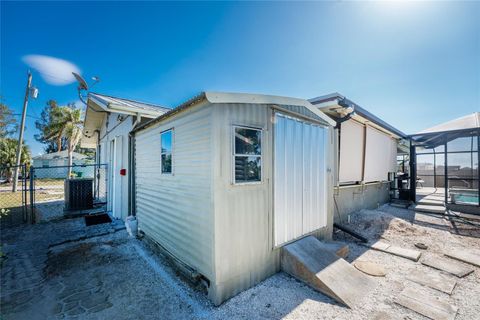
point(166, 153)
point(247, 155)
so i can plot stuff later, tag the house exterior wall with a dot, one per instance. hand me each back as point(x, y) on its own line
point(113, 129)
point(244, 244)
point(353, 198)
point(176, 210)
point(350, 197)
point(366, 153)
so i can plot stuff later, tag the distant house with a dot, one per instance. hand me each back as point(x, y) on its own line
point(108, 122)
point(56, 163)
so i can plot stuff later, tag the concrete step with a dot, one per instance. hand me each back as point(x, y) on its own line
point(431, 203)
point(429, 208)
point(311, 262)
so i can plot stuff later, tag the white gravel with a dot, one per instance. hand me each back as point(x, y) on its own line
point(283, 297)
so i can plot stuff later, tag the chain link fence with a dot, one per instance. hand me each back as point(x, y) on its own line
point(59, 190)
point(14, 203)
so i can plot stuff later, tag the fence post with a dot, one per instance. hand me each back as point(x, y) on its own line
point(24, 191)
point(32, 195)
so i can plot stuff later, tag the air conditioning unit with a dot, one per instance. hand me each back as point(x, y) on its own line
point(78, 194)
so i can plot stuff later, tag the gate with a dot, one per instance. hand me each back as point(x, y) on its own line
point(56, 191)
point(14, 203)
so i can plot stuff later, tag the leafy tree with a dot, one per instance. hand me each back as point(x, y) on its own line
point(50, 127)
point(8, 123)
point(8, 155)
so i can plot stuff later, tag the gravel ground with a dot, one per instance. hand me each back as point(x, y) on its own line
point(112, 276)
point(281, 296)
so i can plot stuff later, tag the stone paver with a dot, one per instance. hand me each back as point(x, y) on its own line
point(37, 282)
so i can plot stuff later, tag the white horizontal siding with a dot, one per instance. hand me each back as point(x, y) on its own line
point(176, 210)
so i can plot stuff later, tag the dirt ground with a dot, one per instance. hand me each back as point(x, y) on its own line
point(65, 270)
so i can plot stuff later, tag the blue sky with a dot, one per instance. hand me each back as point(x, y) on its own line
point(414, 64)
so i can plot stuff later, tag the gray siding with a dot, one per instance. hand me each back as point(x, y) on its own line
point(176, 210)
point(243, 220)
point(299, 110)
point(244, 247)
point(354, 198)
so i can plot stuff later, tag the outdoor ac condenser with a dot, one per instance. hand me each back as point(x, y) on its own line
point(78, 194)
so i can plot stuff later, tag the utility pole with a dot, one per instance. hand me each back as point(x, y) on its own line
point(22, 126)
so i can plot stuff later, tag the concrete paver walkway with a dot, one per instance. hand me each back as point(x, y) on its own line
point(65, 270)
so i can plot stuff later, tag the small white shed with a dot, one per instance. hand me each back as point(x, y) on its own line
point(223, 181)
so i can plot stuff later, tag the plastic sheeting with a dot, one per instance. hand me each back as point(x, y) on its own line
point(380, 155)
point(351, 152)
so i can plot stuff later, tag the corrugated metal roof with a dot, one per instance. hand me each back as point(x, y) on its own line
point(131, 104)
point(470, 121)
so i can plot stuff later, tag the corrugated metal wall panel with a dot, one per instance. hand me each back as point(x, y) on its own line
point(304, 112)
point(243, 221)
point(176, 210)
point(300, 203)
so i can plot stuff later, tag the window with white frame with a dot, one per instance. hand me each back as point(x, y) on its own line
point(247, 155)
point(166, 151)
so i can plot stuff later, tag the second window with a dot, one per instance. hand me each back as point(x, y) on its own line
point(166, 154)
point(247, 155)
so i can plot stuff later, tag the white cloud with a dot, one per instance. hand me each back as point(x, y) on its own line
point(53, 70)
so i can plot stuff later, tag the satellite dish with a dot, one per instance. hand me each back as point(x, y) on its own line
point(82, 84)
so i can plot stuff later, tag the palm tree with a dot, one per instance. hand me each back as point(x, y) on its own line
point(56, 126)
point(72, 132)
point(65, 123)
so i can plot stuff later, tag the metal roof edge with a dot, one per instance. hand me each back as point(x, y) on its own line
point(229, 97)
point(366, 114)
point(326, 97)
point(99, 97)
point(359, 111)
point(190, 102)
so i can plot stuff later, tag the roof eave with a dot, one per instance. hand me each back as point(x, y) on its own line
point(334, 99)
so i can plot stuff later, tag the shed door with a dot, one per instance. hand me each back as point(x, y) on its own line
point(299, 178)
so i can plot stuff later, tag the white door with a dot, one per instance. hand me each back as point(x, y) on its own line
point(300, 178)
point(115, 186)
point(112, 169)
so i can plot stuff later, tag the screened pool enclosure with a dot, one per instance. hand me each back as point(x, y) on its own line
point(446, 160)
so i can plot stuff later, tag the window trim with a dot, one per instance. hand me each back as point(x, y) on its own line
point(234, 154)
point(171, 152)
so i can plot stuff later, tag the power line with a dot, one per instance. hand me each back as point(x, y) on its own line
point(30, 116)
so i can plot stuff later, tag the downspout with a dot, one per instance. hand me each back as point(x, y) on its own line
point(349, 108)
point(338, 127)
point(131, 167)
point(341, 120)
